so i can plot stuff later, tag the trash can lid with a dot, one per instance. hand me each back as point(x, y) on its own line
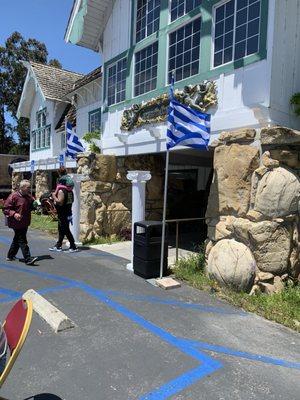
point(148, 223)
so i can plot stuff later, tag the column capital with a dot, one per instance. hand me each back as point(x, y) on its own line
point(138, 176)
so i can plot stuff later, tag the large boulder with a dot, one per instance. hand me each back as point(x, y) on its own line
point(269, 241)
point(279, 135)
point(277, 194)
point(231, 187)
point(232, 264)
point(240, 135)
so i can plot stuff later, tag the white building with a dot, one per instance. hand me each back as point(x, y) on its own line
point(249, 48)
point(50, 97)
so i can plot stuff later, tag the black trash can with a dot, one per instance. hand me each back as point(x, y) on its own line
point(147, 249)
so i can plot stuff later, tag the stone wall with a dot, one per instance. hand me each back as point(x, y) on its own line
point(16, 179)
point(106, 194)
point(42, 183)
point(253, 212)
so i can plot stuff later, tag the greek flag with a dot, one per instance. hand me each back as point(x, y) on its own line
point(74, 145)
point(186, 126)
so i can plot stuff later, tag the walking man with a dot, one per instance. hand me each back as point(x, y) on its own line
point(63, 199)
point(17, 209)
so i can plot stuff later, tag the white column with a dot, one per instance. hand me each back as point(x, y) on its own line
point(75, 227)
point(138, 180)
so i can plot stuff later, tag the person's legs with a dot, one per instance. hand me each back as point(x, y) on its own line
point(14, 247)
point(68, 233)
point(24, 244)
point(61, 233)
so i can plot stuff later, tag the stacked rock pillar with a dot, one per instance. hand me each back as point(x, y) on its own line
point(253, 209)
point(106, 194)
point(42, 183)
point(16, 179)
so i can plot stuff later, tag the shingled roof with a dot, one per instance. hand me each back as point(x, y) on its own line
point(91, 76)
point(54, 82)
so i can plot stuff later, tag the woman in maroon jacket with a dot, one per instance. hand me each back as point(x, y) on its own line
point(17, 209)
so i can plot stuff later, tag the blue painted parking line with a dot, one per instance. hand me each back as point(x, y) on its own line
point(176, 303)
point(189, 347)
point(246, 355)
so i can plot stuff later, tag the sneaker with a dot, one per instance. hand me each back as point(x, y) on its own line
point(55, 248)
point(73, 250)
point(31, 261)
point(11, 258)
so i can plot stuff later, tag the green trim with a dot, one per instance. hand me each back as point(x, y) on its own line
point(206, 71)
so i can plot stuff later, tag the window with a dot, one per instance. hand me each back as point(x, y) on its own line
point(182, 7)
point(33, 140)
point(146, 69)
point(95, 121)
point(41, 136)
point(116, 82)
point(147, 18)
point(236, 30)
point(184, 51)
point(48, 135)
point(63, 140)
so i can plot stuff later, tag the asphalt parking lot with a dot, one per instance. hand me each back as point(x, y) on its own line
point(135, 341)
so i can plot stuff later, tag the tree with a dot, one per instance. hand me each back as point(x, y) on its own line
point(12, 77)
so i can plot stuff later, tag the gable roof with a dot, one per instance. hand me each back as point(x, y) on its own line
point(54, 82)
point(69, 114)
point(91, 76)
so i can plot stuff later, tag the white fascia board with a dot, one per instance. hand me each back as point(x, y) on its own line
point(71, 20)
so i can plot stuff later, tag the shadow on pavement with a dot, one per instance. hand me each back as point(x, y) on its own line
point(44, 396)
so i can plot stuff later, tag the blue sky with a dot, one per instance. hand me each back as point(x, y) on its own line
point(46, 21)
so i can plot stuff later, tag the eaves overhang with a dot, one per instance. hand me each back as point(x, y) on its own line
point(87, 21)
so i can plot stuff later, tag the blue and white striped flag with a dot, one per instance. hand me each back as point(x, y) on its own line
point(74, 145)
point(186, 126)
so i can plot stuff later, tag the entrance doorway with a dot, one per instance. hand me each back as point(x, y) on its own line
point(190, 176)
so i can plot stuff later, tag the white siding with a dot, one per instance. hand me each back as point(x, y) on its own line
point(242, 102)
point(89, 99)
point(286, 61)
point(116, 37)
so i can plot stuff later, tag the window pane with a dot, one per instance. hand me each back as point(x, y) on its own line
point(116, 82)
point(185, 61)
point(145, 76)
point(182, 7)
point(245, 16)
point(147, 18)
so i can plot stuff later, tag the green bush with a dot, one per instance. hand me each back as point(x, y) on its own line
point(295, 101)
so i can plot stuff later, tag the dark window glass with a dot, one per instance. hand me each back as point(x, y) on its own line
point(147, 18)
point(116, 82)
point(146, 69)
point(185, 60)
point(182, 7)
point(243, 17)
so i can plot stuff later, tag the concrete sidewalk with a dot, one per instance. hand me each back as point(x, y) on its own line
point(134, 341)
point(123, 250)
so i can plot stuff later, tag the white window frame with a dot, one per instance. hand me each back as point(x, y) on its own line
point(212, 67)
point(178, 18)
point(135, 21)
point(134, 59)
point(168, 46)
point(108, 67)
point(92, 113)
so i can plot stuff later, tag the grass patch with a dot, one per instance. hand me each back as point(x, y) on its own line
point(283, 308)
point(44, 223)
point(104, 240)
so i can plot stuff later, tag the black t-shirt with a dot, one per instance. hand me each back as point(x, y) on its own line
point(65, 210)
